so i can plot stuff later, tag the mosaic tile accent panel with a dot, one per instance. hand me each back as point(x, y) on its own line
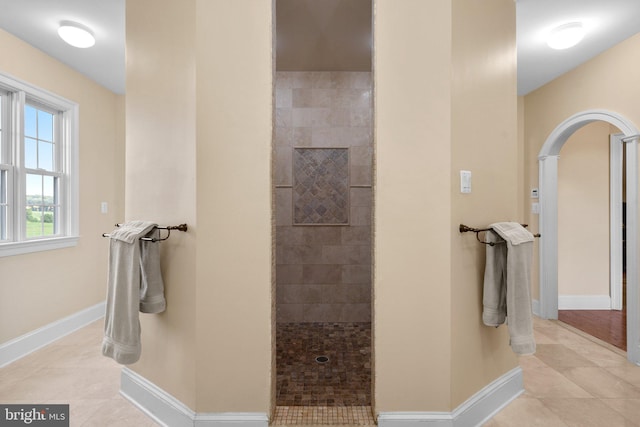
point(321, 186)
point(342, 380)
point(324, 415)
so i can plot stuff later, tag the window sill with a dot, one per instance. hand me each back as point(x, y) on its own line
point(20, 248)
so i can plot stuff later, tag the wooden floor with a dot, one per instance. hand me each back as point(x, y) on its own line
point(608, 325)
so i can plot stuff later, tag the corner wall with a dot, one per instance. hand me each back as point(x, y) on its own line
point(412, 231)
point(445, 101)
point(484, 141)
point(160, 178)
point(199, 120)
point(234, 256)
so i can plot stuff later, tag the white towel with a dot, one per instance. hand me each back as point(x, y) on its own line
point(512, 232)
point(507, 286)
point(494, 298)
point(151, 283)
point(128, 256)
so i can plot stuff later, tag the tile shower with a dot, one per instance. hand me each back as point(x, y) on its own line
point(322, 177)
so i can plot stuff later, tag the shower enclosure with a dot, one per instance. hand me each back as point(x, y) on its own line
point(323, 177)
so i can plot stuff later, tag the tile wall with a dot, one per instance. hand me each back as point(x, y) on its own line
point(323, 272)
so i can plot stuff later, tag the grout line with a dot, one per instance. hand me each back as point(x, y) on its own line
point(323, 415)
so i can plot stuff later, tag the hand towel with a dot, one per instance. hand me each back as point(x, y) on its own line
point(121, 339)
point(494, 298)
point(151, 284)
point(507, 286)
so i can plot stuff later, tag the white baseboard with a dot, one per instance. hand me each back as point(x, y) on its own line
point(474, 412)
point(243, 419)
point(169, 411)
point(17, 348)
point(584, 302)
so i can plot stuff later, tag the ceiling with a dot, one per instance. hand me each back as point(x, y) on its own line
point(608, 22)
point(36, 22)
point(327, 35)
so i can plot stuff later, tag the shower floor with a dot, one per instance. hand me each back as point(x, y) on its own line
point(345, 380)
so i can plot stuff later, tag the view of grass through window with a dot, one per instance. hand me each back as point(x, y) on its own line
point(39, 146)
point(40, 216)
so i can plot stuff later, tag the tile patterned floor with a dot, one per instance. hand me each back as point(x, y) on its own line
point(572, 381)
point(73, 371)
point(345, 380)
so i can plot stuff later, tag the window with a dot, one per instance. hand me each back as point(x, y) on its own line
point(38, 169)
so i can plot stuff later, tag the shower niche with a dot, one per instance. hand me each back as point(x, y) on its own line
point(320, 186)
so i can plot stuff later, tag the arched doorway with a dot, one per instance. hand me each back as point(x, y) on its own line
point(548, 184)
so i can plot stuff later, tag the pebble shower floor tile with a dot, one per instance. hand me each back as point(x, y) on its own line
point(344, 380)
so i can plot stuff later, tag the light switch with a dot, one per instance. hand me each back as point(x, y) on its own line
point(104, 207)
point(465, 182)
point(535, 208)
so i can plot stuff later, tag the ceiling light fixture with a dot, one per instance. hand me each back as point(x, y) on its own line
point(76, 35)
point(566, 35)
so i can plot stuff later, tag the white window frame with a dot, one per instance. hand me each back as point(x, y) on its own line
point(68, 156)
point(5, 156)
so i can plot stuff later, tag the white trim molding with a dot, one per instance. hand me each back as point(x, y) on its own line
point(17, 348)
point(168, 411)
point(67, 163)
point(632, 228)
point(548, 227)
point(584, 302)
point(474, 412)
point(616, 154)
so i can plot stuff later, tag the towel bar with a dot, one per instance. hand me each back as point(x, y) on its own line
point(465, 228)
point(181, 227)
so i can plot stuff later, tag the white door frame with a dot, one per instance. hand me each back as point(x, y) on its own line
point(615, 220)
point(548, 184)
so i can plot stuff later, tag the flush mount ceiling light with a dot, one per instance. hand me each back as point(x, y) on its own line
point(566, 35)
point(76, 35)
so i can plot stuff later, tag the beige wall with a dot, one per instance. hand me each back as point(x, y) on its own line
point(198, 151)
point(484, 135)
point(452, 108)
point(412, 231)
point(524, 204)
point(606, 82)
point(583, 212)
point(161, 175)
point(234, 259)
point(40, 288)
